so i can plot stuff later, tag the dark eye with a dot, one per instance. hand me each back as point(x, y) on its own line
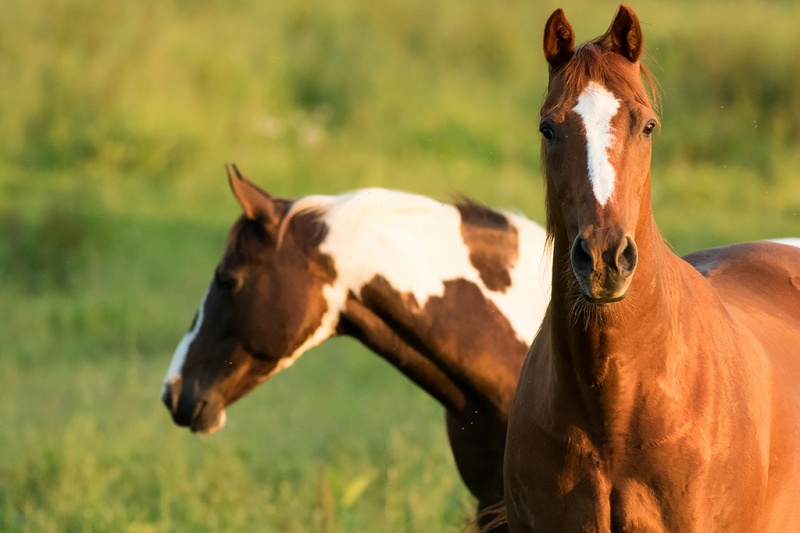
point(225, 279)
point(648, 129)
point(547, 132)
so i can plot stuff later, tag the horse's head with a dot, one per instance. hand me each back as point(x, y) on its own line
point(264, 307)
point(596, 122)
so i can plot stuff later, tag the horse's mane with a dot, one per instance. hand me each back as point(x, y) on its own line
point(316, 205)
point(480, 215)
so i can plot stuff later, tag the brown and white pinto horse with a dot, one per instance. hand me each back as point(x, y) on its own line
point(451, 295)
point(661, 394)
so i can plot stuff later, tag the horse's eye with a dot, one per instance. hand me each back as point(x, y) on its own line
point(547, 132)
point(225, 279)
point(648, 129)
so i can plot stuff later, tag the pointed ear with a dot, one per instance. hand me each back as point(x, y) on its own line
point(626, 34)
point(559, 39)
point(256, 203)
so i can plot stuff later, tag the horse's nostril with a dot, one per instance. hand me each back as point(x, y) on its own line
point(170, 393)
point(169, 399)
point(581, 257)
point(627, 256)
point(166, 397)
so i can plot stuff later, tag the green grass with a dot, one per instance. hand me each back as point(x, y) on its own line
point(98, 453)
point(117, 119)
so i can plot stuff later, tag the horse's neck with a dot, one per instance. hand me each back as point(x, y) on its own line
point(364, 324)
point(446, 305)
point(459, 364)
point(612, 357)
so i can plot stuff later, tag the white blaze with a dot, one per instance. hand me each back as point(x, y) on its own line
point(597, 107)
point(179, 357)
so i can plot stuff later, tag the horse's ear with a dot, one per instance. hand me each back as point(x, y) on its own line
point(626, 34)
point(256, 203)
point(559, 39)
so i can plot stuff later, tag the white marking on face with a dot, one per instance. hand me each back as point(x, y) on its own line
point(415, 243)
point(597, 107)
point(179, 357)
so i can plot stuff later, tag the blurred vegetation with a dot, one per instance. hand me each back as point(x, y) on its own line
point(117, 119)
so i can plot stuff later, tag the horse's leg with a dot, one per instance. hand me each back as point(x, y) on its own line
point(478, 446)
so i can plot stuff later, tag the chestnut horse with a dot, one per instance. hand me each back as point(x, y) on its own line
point(451, 295)
point(661, 394)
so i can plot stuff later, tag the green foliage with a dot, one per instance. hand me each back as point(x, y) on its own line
point(45, 254)
point(117, 118)
point(729, 101)
point(325, 49)
point(97, 453)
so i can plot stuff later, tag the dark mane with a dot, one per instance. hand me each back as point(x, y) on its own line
point(479, 215)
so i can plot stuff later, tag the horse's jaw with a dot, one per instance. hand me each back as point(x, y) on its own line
point(204, 424)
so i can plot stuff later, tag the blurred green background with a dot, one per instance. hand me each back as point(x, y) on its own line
point(116, 120)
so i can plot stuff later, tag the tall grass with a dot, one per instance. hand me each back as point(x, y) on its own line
point(116, 120)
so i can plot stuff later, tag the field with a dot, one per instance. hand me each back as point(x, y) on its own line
point(117, 119)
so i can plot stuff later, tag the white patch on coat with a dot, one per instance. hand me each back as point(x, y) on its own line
point(525, 301)
point(597, 107)
point(415, 243)
point(791, 241)
point(179, 357)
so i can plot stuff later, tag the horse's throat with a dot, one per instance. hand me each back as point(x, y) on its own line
point(593, 340)
point(608, 357)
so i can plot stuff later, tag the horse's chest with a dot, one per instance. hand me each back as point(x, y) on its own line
point(627, 494)
point(635, 507)
point(626, 506)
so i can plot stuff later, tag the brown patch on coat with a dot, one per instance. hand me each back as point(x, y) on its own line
point(462, 331)
point(492, 241)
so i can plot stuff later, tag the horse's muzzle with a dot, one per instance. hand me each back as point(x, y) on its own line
point(199, 415)
point(603, 264)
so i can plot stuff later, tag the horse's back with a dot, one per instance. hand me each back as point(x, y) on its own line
point(760, 276)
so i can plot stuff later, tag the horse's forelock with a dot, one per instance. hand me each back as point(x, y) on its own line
point(595, 61)
point(316, 205)
point(235, 231)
